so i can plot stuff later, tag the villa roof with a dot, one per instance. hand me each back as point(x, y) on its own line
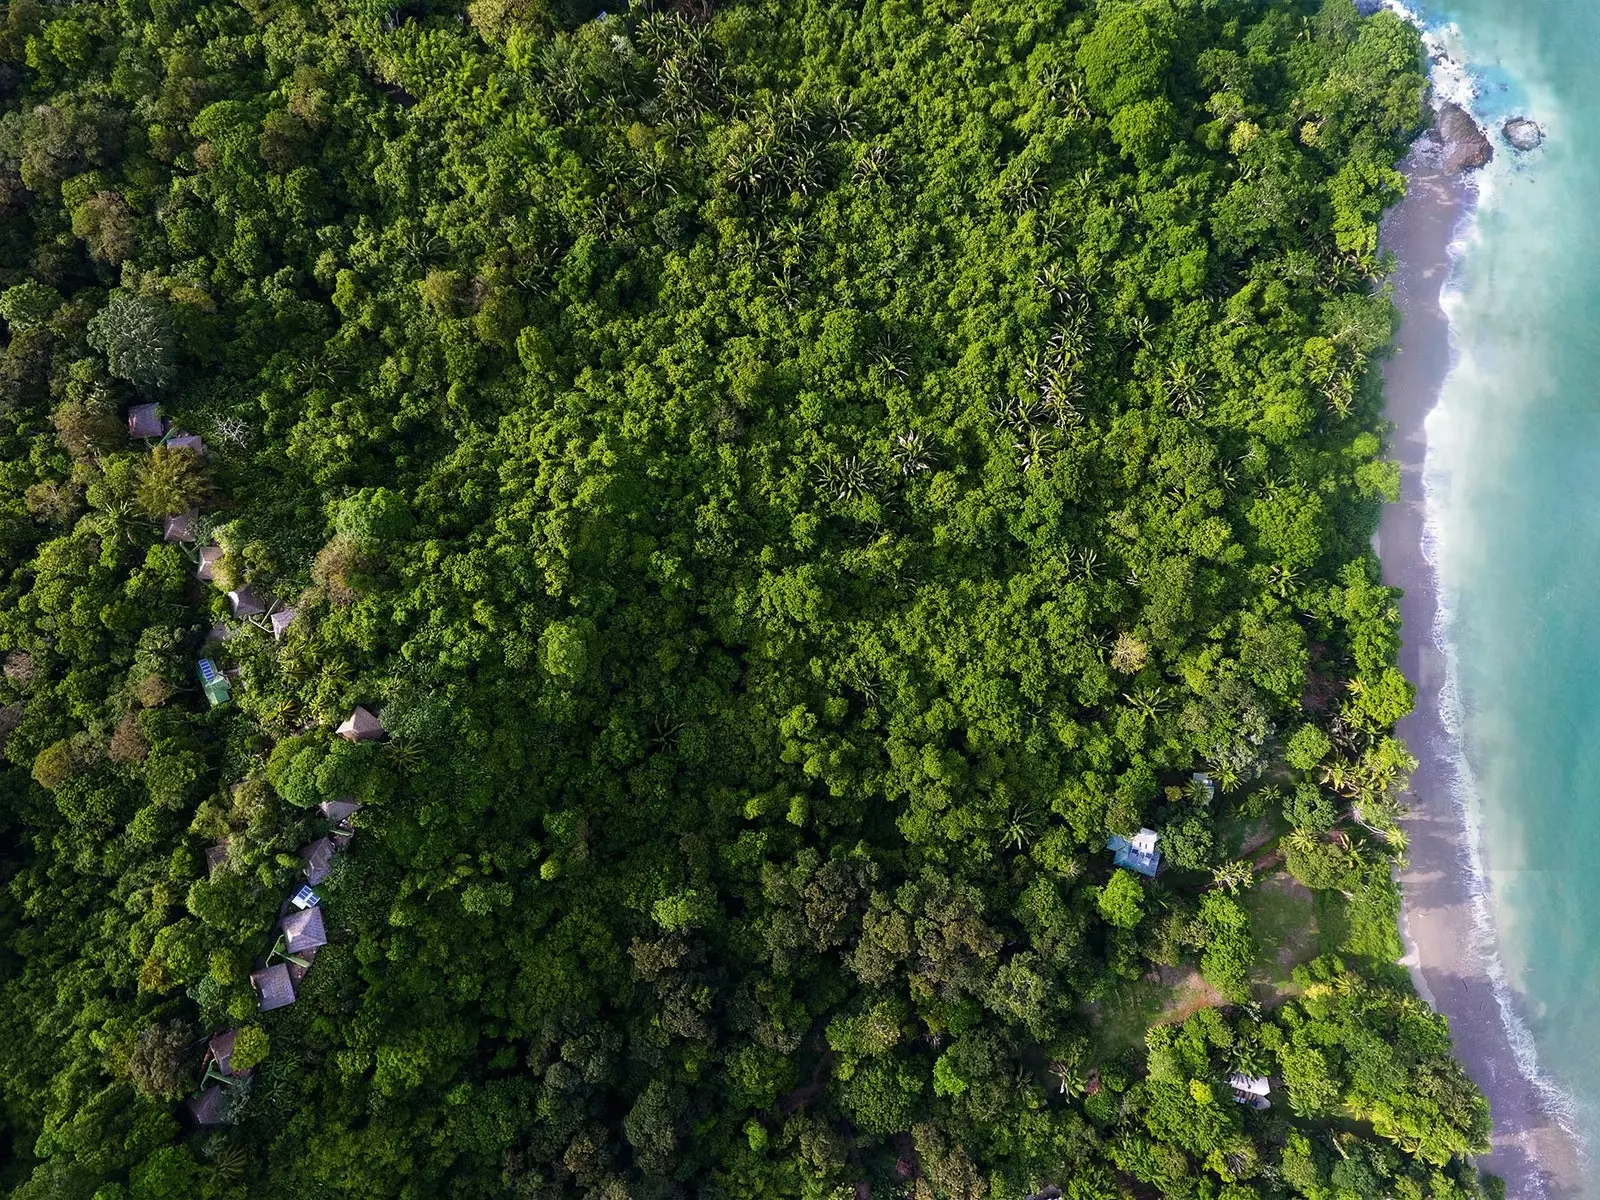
point(144, 421)
point(304, 930)
point(246, 603)
point(179, 528)
point(273, 986)
point(206, 1108)
point(361, 726)
point(208, 562)
point(296, 971)
point(281, 620)
point(216, 856)
point(1254, 1085)
point(1137, 853)
point(318, 857)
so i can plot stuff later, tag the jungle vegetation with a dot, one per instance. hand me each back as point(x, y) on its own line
point(794, 477)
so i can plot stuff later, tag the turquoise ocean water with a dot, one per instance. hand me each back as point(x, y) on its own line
point(1514, 500)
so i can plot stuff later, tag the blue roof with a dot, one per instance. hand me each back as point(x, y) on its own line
point(1125, 855)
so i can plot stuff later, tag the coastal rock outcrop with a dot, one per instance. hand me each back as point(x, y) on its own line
point(1465, 146)
point(1523, 133)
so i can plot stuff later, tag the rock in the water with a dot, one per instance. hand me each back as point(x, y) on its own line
point(1465, 146)
point(1522, 133)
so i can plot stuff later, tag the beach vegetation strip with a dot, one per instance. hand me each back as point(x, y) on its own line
point(589, 602)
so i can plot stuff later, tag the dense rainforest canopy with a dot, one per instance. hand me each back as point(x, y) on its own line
point(792, 478)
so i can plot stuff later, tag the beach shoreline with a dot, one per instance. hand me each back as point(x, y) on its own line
point(1451, 960)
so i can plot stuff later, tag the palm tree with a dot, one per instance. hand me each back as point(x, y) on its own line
point(1235, 877)
point(1068, 1081)
point(1183, 389)
point(1146, 703)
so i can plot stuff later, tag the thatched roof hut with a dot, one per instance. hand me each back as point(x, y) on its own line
point(281, 620)
point(273, 986)
point(220, 1048)
point(361, 726)
point(303, 930)
point(186, 441)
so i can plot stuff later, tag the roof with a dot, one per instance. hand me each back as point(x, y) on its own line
point(144, 421)
point(1137, 853)
point(212, 683)
point(296, 971)
point(206, 1108)
point(208, 562)
point(1255, 1085)
point(221, 1048)
point(318, 857)
point(179, 528)
point(273, 986)
point(280, 621)
point(186, 441)
point(304, 930)
point(339, 811)
point(361, 726)
point(216, 856)
point(246, 603)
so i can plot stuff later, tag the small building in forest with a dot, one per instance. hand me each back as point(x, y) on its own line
point(246, 603)
point(207, 569)
point(216, 856)
point(281, 621)
point(144, 421)
point(274, 988)
point(339, 812)
point(180, 528)
point(206, 1109)
point(219, 1052)
point(303, 930)
point(1250, 1089)
point(212, 683)
point(361, 726)
point(318, 857)
point(1137, 853)
point(186, 441)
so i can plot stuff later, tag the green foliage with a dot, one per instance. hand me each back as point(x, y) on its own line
point(793, 478)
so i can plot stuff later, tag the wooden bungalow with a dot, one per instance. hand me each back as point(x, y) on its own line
point(246, 603)
point(186, 441)
point(303, 930)
point(208, 563)
point(219, 1053)
point(339, 812)
point(206, 1109)
point(281, 621)
point(144, 421)
point(361, 726)
point(318, 859)
point(216, 856)
point(180, 528)
point(273, 987)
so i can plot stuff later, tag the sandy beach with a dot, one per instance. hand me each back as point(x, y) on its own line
point(1448, 962)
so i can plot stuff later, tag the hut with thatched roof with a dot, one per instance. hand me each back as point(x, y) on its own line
point(361, 726)
point(186, 441)
point(216, 856)
point(273, 986)
point(303, 930)
point(339, 812)
point(281, 621)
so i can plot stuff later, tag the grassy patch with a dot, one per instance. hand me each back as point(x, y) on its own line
point(1285, 919)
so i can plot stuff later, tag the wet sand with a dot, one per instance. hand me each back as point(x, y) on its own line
point(1448, 962)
